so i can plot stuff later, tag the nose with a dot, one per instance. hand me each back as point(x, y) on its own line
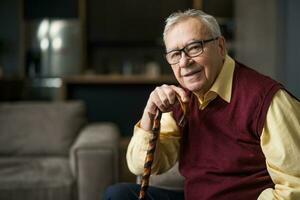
point(184, 60)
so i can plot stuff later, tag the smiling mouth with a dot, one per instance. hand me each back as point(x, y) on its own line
point(192, 73)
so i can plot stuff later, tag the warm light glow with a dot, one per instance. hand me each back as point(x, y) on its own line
point(44, 44)
point(43, 29)
point(55, 27)
point(57, 43)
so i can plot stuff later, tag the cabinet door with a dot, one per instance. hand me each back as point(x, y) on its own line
point(50, 9)
point(130, 20)
point(119, 32)
point(10, 39)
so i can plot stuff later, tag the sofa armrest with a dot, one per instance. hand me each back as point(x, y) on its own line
point(94, 159)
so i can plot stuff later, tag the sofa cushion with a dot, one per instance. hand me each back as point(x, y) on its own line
point(39, 128)
point(35, 178)
point(171, 179)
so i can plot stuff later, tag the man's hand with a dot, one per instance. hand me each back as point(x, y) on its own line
point(162, 98)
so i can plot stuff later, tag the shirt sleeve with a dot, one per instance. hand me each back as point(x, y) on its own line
point(280, 142)
point(167, 147)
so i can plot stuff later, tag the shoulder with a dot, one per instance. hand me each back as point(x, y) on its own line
point(253, 82)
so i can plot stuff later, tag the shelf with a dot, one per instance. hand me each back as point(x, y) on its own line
point(126, 44)
point(119, 79)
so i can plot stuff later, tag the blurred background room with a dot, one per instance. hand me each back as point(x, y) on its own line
point(110, 54)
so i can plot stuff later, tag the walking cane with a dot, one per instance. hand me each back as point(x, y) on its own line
point(152, 145)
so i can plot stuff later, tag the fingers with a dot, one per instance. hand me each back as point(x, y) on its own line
point(164, 98)
point(166, 95)
point(160, 100)
point(181, 93)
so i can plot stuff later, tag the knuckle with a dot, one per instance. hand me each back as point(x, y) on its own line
point(151, 95)
point(157, 88)
point(170, 92)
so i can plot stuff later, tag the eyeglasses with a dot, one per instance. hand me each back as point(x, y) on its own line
point(191, 50)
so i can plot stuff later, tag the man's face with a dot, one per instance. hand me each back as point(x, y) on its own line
point(197, 74)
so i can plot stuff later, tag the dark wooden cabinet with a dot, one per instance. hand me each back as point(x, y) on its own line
point(36, 9)
point(130, 20)
point(120, 32)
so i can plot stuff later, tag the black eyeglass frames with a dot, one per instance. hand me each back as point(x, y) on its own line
point(192, 49)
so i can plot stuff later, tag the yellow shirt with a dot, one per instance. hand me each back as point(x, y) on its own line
point(280, 139)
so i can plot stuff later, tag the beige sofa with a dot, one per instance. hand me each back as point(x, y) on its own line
point(48, 151)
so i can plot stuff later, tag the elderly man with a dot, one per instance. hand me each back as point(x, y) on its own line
point(241, 139)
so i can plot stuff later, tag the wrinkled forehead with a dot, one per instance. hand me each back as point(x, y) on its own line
point(184, 31)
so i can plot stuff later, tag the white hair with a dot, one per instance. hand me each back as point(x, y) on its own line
point(209, 21)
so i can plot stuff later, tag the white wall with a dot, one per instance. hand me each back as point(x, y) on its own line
point(291, 47)
point(256, 35)
point(267, 39)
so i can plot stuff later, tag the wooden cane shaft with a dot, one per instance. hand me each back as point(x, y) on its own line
point(152, 145)
point(150, 156)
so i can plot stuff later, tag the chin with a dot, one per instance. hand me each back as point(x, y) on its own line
point(194, 87)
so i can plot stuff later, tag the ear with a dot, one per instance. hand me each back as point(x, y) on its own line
point(222, 46)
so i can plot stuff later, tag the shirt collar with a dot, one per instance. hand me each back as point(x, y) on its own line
point(223, 84)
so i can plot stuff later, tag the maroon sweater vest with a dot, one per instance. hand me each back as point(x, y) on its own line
point(221, 157)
